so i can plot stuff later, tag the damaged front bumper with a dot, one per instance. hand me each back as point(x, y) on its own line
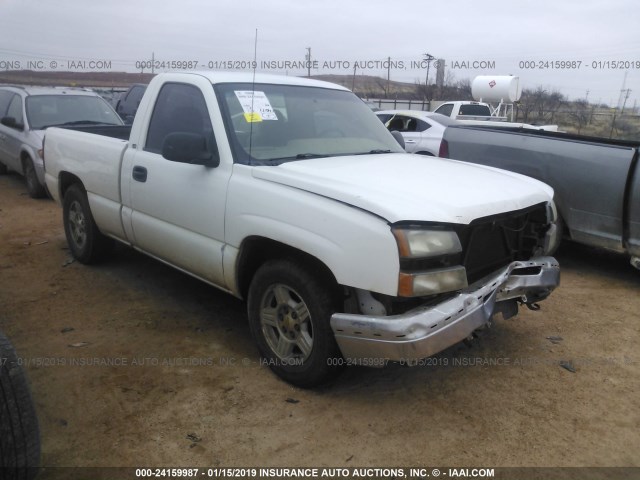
point(425, 331)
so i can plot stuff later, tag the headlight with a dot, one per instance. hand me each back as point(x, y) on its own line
point(422, 243)
point(415, 244)
point(432, 282)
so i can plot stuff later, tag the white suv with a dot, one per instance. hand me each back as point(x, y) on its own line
point(25, 112)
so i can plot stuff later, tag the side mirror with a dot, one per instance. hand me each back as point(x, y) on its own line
point(399, 138)
point(187, 147)
point(11, 123)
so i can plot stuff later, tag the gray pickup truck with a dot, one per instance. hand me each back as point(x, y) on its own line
point(596, 180)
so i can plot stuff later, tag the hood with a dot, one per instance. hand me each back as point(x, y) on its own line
point(401, 186)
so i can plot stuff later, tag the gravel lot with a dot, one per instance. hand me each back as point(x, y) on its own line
point(133, 364)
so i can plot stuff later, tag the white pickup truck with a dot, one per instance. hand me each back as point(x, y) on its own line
point(469, 112)
point(290, 193)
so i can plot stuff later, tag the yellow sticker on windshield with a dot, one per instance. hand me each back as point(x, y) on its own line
point(252, 117)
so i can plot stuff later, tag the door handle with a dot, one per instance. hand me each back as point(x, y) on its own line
point(139, 174)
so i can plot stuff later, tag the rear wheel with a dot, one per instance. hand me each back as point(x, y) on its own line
point(289, 314)
point(35, 189)
point(86, 242)
point(19, 432)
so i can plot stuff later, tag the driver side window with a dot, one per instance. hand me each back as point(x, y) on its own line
point(179, 108)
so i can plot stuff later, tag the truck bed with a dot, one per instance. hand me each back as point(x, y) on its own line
point(557, 135)
point(93, 157)
point(596, 180)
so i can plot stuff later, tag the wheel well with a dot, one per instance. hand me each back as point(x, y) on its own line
point(66, 180)
point(255, 251)
point(23, 157)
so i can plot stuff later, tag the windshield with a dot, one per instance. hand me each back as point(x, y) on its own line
point(50, 110)
point(271, 124)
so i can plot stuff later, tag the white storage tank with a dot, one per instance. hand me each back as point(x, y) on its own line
point(496, 88)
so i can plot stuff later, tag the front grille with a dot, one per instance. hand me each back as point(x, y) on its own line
point(491, 243)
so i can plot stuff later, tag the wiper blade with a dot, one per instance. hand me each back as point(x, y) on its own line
point(78, 122)
point(371, 152)
point(86, 122)
point(301, 156)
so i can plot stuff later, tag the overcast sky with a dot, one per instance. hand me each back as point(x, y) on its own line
point(603, 36)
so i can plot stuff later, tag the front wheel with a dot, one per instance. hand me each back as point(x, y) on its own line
point(86, 242)
point(35, 189)
point(289, 314)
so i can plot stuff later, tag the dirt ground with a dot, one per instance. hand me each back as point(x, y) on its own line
point(135, 364)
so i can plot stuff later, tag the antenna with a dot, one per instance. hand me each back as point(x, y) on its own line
point(253, 92)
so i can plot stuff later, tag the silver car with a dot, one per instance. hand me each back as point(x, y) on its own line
point(25, 113)
point(422, 131)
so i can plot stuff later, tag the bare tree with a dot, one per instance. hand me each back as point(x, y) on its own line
point(581, 112)
point(382, 84)
point(464, 86)
point(449, 78)
point(554, 102)
point(420, 91)
point(540, 105)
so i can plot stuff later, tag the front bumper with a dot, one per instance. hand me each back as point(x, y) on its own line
point(425, 331)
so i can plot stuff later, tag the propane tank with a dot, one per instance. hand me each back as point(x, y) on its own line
point(496, 88)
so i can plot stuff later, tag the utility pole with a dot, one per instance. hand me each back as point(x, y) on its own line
point(428, 57)
point(353, 80)
point(626, 97)
point(622, 90)
point(308, 57)
point(388, 74)
point(153, 61)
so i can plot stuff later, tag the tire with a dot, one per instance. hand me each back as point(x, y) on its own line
point(87, 244)
point(3, 169)
point(289, 312)
point(35, 189)
point(19, 432)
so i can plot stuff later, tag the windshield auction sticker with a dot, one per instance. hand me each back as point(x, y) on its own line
point(256, 106)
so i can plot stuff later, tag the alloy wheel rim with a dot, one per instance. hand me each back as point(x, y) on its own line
point(77, 224)
point(286, 323)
